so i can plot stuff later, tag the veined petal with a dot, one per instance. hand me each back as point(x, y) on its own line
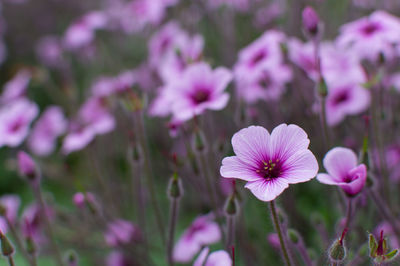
point(300, 167)
point(339, 161)
point(267, 190)
point(233, 167)
point(326, 179)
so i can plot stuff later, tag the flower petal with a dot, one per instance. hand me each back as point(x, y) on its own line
point(267, 190)
point(339, 161)
point(233, 167)
point(300, 167)
point(326, 179)
point(251, 144)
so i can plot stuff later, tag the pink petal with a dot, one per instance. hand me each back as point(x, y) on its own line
point(233, 167)
point(326, 179)
point(219, 258)
point(267, 190)
point(358, 183)
point(251, 144)
point(300, 167)
point(339, 161)
point(202, 257)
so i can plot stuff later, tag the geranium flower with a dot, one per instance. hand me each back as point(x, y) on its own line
point(216, 258)
point(344, 171)
point(47, 129)
point(270, 162)
point(9, 205)
point(121, 232)
point(203, 231)
point(15, 88)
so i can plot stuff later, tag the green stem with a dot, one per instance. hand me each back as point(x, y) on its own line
point(11, 261)
point(230, 236)
point(171, 230)
point(348, 215)
point(278, 230)
point(39, 197)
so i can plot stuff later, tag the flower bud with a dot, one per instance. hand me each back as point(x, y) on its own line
point(175, 189)
point(72, 258)
point(379, 251)
point(30, 245)
point(231, 206)
point(7, 248)
point(293, 235)
point(26, 166)
point(322, 88)
point(337, 251)
point(310, 21)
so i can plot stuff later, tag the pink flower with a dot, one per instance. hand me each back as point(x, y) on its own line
point(15, 119)
point(344, 171)
point(93, 119)
point(345, 98)
point(47, 129)
point(10, 204)
point(393, 161)
point(49, 51)
point(203, 231)
point(270, 162)
point(310, 20)
point(80, 199)
point(26, 165)
point(273, 241)
point(216, 258)
point(370, 36)
point(32, 222)
point(117, 258)
point(121, 232)
point(200, 88)
point(107, 86)
point(15, 88)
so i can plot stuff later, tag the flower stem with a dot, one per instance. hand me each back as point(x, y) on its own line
point(278, 230)
point(230, 236)
point(348, 214)
point(11, 261)
point(18, 241)
point(171, 229)
point(49, 230)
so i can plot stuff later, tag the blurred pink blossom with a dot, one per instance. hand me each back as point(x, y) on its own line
point(270, 162)
point(121, 232)
point(16, 87)
point(202, 231)
point(48, 128)
point(49, 50)
point(11, 204)
point(344, 171)
point(216, 258)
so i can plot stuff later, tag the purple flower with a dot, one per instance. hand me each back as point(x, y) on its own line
point(26, 165)
point(216, 258)
point(32, 224)
point(108, 86)
point(344, 171)
point(49, 51)
point(93, 119)
point(270, 162)
point(47, 129)
point(273, 241)
point(9, 204)
point(15, 119)
point(200, 88)
point(370, 36)
point(121, 232)
point(345, 98)
point(203, 231)
point(15, 88)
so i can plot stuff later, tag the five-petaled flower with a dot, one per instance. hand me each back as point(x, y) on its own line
point(270, 162)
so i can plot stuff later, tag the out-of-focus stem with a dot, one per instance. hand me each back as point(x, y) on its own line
point(18, 241)
point(230, 236)
point(49, 230)
point(171, 229)
point(149, 173)
point(11, 261)
point(349, 212)
point(278, 230)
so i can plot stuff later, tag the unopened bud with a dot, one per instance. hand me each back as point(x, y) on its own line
point(322, 88)
point(175, 189)
point(7, 248)
point(231, 206)
point(26, 166)
point(72, 258)
point(30, 245)
point(337, 251)
point(293, 235)
point(310, 21)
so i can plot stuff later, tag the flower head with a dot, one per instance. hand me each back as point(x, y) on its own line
point(270, 162)
point(216, 258)
point(344, 171)
point(310, 21)
point(203, 231)
point(26, 165)
point(16, 87)
point(121, 232)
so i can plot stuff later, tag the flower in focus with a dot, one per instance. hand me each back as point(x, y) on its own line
point(200, 88)
point(93, 119)
point(203, 231)
point(121, 232)
point(15, 119)
point(270, 162)
point(216, 258)
point(9, 205)
point(47, 129)
point(371, 36)
point(344, 171)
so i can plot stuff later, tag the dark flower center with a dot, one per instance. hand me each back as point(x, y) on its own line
point(15, 125)
point(270, 170)
point(194, 229)
point(341, 97)
point(258, 57)
point(200, 96)
point(370, 28)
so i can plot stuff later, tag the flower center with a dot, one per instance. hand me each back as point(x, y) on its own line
point(270, 170)
point(258, 57)
point(200, 96)
point(15, 125)
point(265, 81)
point(370, 28)
point(341, 97)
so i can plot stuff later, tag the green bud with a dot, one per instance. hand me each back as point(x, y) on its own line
point(392, 255)
point(7, 248)
point(231, 206)
point(71, 258)
point(337, 251)
point(30, 245)
point(373, 245)
point(175, 187)
point(293, 235)
point(322, 88)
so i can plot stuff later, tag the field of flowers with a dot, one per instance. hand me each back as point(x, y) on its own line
point(199, 132)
